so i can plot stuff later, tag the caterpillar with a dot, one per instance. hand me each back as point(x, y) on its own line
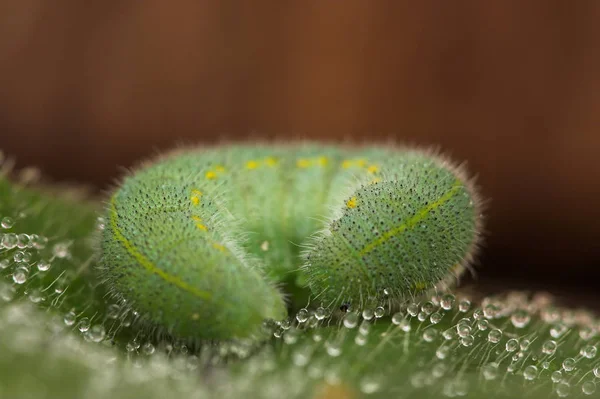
point(200, 242)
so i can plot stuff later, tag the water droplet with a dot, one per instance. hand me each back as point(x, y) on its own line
point(447, 301)
point(597, 371)
point(490, 371)
point(21, 256)
point(312, 321)
point(43, 265)
point(133, 345)
point(351, 320)
point(588, 387)
point(520, 318)
point(84, 324)
point(549, 347)
point(333, 349)
point(397, 318)
point(369, 385)
point(439, 370)
point(546, 365)
point(568, 364)
point(368, 314)
point(467, 340)
point(435, 318)
point(478, 314)
point(96, 333)
point(587, 333)
point(4, 264)
point(530, 372)
point(320, 313)
point(490, 311)
point(483, 324)
point(100, 223)
point(422, 316)
point(449, 334)
point(413, 309)
point(302, 315)
point(511, 345)
point(379, 312)
point(558, 330)
point(429, 334)
point(20, 275)
point(405, 325)
point(417, 380)
point(38, 242)
point(386, 292)
point(442, 352)
point(127, 318)
point(301, 356)
point(36, 296)
point(463, 330)
point(360, 340)
point(364, 328)
point(285, 324)
point(61, 250)
point(70, 318)
point(464, 305)
point(461, 387)
point(428, 308)
point(7, 222)
point(556, 376)
point(589, 351)
point(563, 389)
point(7, 292)
point(60, 286)
point(148, 349)
point(23, 241)
point(524, 345)
point(9, 241)
point(494, 336)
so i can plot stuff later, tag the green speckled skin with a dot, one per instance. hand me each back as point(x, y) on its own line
point(196, 241)
point(404, 234)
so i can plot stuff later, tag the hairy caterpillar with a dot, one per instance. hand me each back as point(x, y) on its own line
point(197, 241)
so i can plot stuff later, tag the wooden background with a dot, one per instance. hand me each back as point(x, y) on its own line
point(511, 86)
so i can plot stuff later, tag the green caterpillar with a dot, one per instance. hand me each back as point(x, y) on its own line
point(202, 243)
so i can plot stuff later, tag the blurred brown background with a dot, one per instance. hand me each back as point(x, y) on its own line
point(513, 87)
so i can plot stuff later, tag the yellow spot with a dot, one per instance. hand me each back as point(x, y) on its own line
point(351, 203)
point(195, 316)
point(251, 165)
point(220, 168)
point(420, 286)
point(264, 246)
point(373, 169)
point(347, 164)
point(218, 246)
point(330, 391)
point(323, 161)
point(195, 197)
point(270, 162)
point(361, 162)
point(198, 221)
point(457, 269)
point(410, 223)
point(210, 175)
point(303, 163)
point(146, 263)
